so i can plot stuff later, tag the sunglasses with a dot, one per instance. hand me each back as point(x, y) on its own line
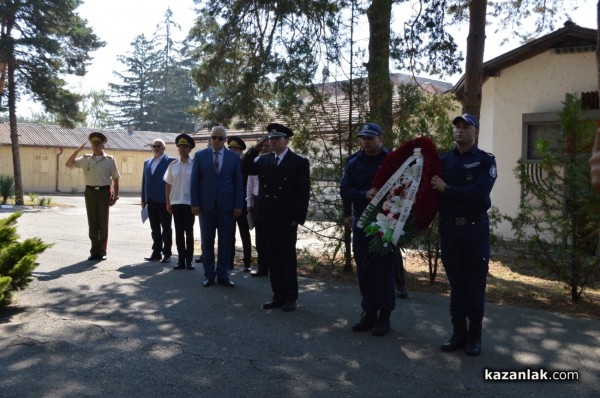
point(157, 146)
point(217, 137)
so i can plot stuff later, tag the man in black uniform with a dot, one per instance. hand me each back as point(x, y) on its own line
point(469, 176)
point(283, 194)
point(376, 273)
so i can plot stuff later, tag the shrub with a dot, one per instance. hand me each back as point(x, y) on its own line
point(7, 188)
point(17, 259)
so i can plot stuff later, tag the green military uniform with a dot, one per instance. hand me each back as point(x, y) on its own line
point(98, 172)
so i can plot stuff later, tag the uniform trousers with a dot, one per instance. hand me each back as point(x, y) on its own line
point(281, 261)
point(465, 255)
point(97, 204)
point(376, 274)
point(184, 232)
point(244, 228)
point(160, 224)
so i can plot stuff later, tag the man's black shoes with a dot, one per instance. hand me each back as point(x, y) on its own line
point(272, 304)
point(153, 257)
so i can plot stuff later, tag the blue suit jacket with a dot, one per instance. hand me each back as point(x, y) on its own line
point(153, 185)
point(222, 192)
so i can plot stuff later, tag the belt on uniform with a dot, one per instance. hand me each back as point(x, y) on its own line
point(97, 187)
point(463, 220)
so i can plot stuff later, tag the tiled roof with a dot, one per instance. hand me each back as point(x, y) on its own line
point(333, 114)
point(45, 135)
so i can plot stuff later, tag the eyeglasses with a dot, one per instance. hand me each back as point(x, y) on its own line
point(217, 137)
point(157, 146)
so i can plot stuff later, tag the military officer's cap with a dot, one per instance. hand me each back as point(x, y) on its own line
point(236, 142)
point(97, 138)
point(279, 130)
point(184, 139)
point(370, 130)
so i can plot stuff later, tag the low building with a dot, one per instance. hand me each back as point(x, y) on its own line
point(523, 91)
point(44, 150)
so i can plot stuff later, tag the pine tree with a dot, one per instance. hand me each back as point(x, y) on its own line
point(41, 40)
point(135, 98)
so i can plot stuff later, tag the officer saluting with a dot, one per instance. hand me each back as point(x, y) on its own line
point(282, 204)
point(100, 173)
point(469, 176)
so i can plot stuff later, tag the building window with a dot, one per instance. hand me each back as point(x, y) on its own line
point(536, 133)
point(127, 165)
point(41, 163)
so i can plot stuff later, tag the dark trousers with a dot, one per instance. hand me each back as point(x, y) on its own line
point(184, 232)
point(97, 204)
point(465, 255)
point(160, 224)
point(400, 279)
point(244, 228)
point(259, 240)
point(376, 274)
point(211, 223)
point(280, 256)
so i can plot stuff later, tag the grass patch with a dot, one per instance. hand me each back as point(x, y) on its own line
point(510, 281)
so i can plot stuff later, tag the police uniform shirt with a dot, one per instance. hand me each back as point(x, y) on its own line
point(98, 170)
point(469, 178)
point(179, 175)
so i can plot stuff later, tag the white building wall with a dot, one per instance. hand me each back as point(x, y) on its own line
point(538, 84)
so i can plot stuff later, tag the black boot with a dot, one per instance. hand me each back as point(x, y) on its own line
point(459, 335)
point(474, 339)
point(383, 323)
point(368, 319)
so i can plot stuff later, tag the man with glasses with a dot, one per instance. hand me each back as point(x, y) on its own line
point(376, 273)
point(100, 172)
point(217, 197)
point(153, 196)
point(282, 205)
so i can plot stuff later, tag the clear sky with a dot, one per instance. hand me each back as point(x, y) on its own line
point(118, 22)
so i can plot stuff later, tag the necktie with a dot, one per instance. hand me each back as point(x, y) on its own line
point(216, 161)
point(276, 160)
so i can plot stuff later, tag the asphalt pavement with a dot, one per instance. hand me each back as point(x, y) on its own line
point(126, 327)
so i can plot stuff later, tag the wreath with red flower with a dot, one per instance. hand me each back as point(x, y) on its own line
point(405, 204)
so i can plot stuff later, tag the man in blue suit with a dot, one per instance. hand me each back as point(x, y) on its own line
point(153, 196)
point(216, 189)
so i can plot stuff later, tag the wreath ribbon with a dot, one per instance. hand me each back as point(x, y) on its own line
point(417, 159)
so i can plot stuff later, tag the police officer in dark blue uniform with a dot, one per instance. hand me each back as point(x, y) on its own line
point(469, 175)
point(376, 273)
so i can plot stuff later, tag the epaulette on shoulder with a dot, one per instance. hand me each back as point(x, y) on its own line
point(110, 156)
point(87, 155)
point(490, 154)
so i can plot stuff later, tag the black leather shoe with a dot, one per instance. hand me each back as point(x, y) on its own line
point(94, 257)
point(102, 258)
point(401, 292)
point(208, 282)
point(455, 342)
point(199, 259)
point(272, 304)
point(247, 268)
point(257, 273)
point(473, 347)
point(289, 306)
point(226, 282)
point(153, 257)
point(190, 267)
point(179, 266)
point(167, 258)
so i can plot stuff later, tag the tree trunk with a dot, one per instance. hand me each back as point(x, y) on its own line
point(14, 136)
point(379, 14)
point(598, 41)
point(474, 63)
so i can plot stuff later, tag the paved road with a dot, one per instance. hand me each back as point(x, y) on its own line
point(129, 328)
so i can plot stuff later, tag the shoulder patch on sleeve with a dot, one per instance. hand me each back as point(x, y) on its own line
point(493, 171)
